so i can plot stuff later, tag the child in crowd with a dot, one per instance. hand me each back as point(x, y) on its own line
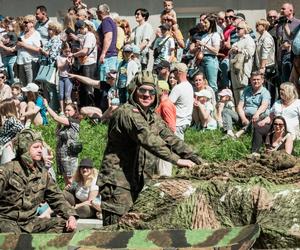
point(225, 108)
point(164, 46)
point(203, 111)
point(169, 8)
point(17, 92)
point(127, 70)
point(136, 52)
point(64, 63)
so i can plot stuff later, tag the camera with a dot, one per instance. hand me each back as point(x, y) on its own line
point(282, 20)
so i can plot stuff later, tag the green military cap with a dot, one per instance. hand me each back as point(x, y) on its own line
point(25, 139)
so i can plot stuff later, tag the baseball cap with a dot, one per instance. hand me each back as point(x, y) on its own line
point(163, 85)
point(164, 64)
point(80, 24)
point(204, 93)
point(31, 87)
point(225, 92)
point(127, 48)
point(181, 67)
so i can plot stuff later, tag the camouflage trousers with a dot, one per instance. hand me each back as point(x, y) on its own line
point(37, 225)
point(115, 201)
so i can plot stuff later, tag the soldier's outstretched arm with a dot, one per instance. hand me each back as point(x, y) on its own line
point(177, 145)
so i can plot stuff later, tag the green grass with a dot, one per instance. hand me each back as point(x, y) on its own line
point(208, 144)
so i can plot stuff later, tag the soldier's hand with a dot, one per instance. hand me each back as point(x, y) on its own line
point(185, 163)
point(71, 224)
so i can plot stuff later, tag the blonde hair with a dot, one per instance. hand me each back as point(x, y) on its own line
point(290, 90)
point(69, 21)
point(79, 179)
point(30, 18)
point(264, 23)
point(244, 26)
point(55, 26)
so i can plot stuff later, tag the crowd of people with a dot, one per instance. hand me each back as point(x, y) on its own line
point(149, 84)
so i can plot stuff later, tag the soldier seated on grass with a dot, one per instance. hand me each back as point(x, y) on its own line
point(24, 184)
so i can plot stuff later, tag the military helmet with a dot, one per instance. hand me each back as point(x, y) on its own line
point(142, 78)
point(25, 139)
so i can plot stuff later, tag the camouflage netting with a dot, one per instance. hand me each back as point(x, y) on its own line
point(263, 190)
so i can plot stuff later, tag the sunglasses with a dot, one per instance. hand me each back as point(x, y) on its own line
point(274, 17)
point(82, 167)
point(278, 124)
point(227, 17)
point(143, 91)
point(239, 28)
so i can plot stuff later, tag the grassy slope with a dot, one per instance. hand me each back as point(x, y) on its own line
point(208, 144)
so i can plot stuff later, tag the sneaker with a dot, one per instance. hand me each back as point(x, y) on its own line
point(230, 133)
point(239, 133)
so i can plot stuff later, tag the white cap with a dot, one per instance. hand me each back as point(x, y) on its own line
point(31, 87)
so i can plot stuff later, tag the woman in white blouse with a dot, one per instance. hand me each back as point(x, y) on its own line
point(28, 48)
point(288, 107)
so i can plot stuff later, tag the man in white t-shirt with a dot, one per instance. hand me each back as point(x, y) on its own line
point(182, 95)
point(142, 34)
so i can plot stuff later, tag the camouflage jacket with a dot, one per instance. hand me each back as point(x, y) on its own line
point(23, 189)
point(135, 139)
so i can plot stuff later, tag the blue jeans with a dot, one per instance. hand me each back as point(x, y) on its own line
point(110, 63)
point(210, 66)
point(65, 88)
point(9, 62)
point(224, 67)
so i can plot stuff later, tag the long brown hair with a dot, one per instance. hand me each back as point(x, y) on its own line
point(8, 109)
point(75, 107)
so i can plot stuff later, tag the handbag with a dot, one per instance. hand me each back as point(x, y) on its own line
point(46, 73)
point(271, 71)
point(75, 148)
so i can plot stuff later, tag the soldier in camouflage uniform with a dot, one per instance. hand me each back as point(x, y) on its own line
point(24, 184)
point(136, 137)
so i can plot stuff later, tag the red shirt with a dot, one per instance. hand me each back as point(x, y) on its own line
point(167, 111)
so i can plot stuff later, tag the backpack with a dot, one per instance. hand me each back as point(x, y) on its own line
point(158, 49)
point(296, 43)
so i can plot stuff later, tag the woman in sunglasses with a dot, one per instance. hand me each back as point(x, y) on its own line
point(28, 47)
point(288, 106)
point(278, 138)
